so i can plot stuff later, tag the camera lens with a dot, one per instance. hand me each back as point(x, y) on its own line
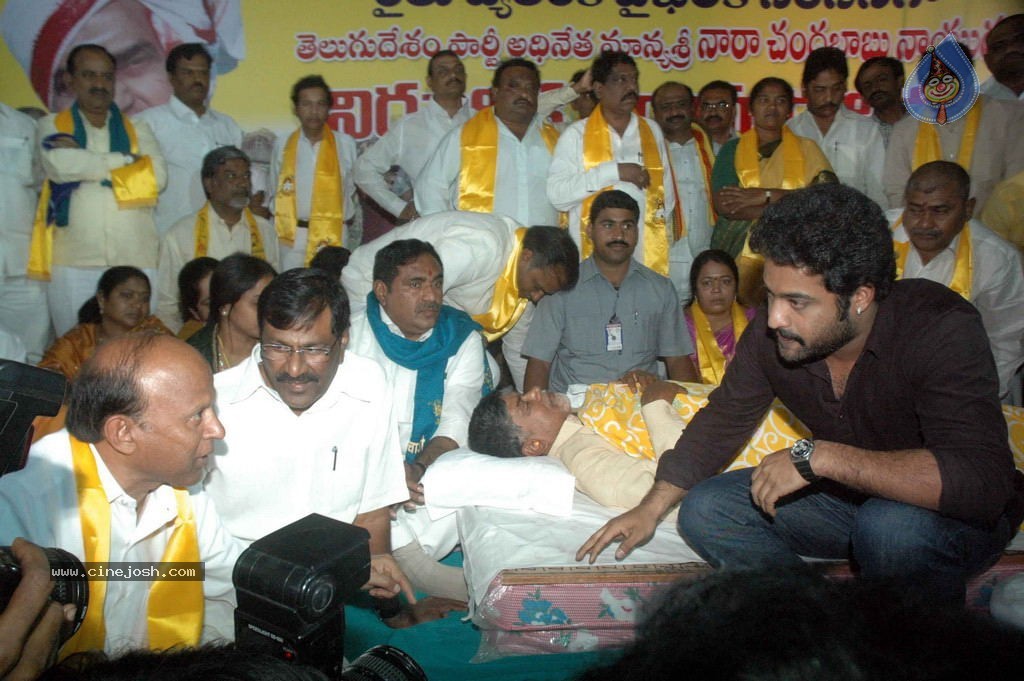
point(321, 595)
point(383, 663)
point(69, 581)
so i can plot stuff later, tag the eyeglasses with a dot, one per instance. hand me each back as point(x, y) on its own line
point(711, 106)
point(275, 352)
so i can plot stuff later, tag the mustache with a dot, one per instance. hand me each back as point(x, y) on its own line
point(789, 335)
point(297, 380)
point(99, 91)
point(617, 242)
point(429, 307)
point(677, 118)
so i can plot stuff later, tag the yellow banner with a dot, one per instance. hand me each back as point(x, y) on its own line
point(374, 53)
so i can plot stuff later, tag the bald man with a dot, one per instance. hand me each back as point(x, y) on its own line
point(112, 489)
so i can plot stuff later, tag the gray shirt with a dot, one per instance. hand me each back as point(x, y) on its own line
point(570, 328)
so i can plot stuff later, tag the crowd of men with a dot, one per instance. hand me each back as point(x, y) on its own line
point(573, 247)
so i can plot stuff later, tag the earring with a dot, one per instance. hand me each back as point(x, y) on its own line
point(859, 310)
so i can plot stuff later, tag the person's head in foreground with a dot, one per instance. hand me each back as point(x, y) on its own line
point(549, 262)
point(829, 261)
point(408, 284)
point(303, 319)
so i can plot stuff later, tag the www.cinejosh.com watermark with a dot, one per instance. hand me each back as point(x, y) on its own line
point(133, 572)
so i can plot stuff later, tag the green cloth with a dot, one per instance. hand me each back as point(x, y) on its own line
point(729, 235)
point(202, 340)
point(444, 648)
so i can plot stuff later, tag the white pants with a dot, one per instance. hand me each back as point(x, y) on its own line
point(24, 312)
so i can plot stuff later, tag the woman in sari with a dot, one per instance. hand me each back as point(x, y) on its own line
point(757, 169)
point(714, 319)
point(120, 307)
point(232, 330)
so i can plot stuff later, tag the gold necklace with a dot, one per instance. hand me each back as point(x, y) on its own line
point(218, 351)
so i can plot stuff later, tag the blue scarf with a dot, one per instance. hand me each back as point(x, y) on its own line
point(60, 192)
point(429, 359)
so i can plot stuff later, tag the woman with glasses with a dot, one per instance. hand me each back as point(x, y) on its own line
point(232, 329)
point(760, 167)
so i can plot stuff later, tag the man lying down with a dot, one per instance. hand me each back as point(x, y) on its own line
point(606, 467)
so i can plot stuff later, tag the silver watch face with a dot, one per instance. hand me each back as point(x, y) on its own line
point(802, 449)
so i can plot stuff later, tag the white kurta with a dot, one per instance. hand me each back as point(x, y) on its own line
point(695, 198)
point(40, 503)
point(853, 146)
point(408, 144)
point(997, 289)
point(339, 458)
point(23, 306)
point(185, 139)
point(178, 246)
point(305, 166)
point(569, 184)
point(520, 181)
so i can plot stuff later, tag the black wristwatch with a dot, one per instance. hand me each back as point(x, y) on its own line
point(800, 455)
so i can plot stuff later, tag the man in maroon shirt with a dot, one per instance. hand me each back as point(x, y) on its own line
point(909, 473)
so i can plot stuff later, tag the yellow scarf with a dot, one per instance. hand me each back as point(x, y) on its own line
point(134, 186)
point(174, 611)
point(707, 161)
point(327, 207)
point(963, 266)
point(597, 149)
point(748, 165)
point(928, 148)
point(202, 232)
point(506, 306)
point(712, 360)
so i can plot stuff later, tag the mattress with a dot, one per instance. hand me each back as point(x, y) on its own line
point(528, 595)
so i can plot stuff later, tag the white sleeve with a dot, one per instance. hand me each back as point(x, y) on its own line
point(568, 183)
point(373, 163)
point(437, 186)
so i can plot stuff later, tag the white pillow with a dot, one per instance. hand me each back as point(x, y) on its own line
point(463, 477)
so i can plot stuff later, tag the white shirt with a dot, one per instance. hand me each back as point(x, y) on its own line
point(99, 233)
point(305, 166)
point(569, 184)
point(20, 175)
point(339, 458)
point(40, 503)
point(520, 180)
point(185, 139)
point(693, 193)
point(997, 289)
point(853, 146)
point(996, 90)
point(409, 143)
point(178, 246)
point(998, 149)
point(474, 248)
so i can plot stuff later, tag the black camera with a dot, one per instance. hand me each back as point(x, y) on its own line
point(70, 584)
point(25, 392)
point(292, 586)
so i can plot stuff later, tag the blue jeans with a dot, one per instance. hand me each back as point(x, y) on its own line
point(888, 540)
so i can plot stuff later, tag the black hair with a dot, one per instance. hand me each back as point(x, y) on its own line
point(895, 66)
point(307, 82)
point(832, 230)
point(669, 83)
point(70, 65)
point(233, 276)
point(720, 85)
point(606, 61)
point(297, 297)
point(825, 59)
point(89, 312)
point(331, 259)
point(189, 277)
point(703, 258)
point(512, 63)
point(219, 157)
point(554, 247)
point(945, 171)
point(613, 198)
point(104, 389)
point(772, 80)
point(399, 253)
point(491, 430)
point(186, 51)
